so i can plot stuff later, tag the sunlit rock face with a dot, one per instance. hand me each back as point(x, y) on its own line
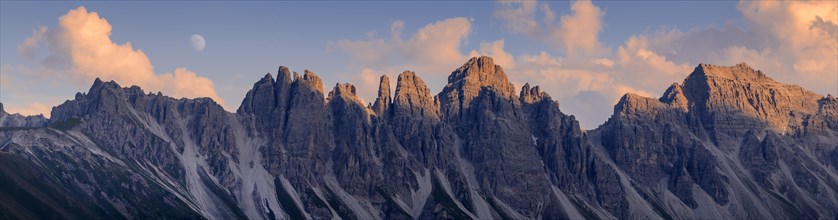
point(726, 143)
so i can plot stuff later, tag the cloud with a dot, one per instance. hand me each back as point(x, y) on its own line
point(434, 45)
point(396, 29)
point(437, 43)
point(637, 65)
point(791, 41)
point(575, 33)
point(435, 49)
point(369, 81)
point(801, 36)
point(4, 79)
point(82, 44)
point(432, 51)
point(28, 47)
point(586, 88)
point(579, 31)
point(588, 77)
point(520, 16)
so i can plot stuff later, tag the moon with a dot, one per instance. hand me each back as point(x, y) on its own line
point(198, 42)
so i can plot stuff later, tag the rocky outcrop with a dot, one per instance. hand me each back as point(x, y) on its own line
point(532, 95)
point(727, 143)
point(651, 142)
point(469, 81)
point(695, 138)
point(63, 174)
point(159, 138)
point(18, 121)
point(818, 131)
point(413, 98)
point(382, 102)
point(675, 98)
point(732, 99)
point(479, 104)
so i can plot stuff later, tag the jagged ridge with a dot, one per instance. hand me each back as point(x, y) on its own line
point(705, 149)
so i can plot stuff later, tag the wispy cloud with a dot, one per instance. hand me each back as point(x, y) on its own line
point(576, 33)
point(589, 76)
point(433, 50)
point(792, 41)
point(81, 48)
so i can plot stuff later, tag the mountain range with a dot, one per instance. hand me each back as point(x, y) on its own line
point(728, 142)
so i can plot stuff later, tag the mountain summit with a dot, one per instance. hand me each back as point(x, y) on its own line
point(726, 143)
point(466, 83)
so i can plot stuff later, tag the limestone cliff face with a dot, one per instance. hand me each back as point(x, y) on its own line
point(719, 136)
point(732, 98)
point(727, 143)
point(413, 97)
point(469, 81)
point(156, 138)
point(382, 102)
point(479, 104)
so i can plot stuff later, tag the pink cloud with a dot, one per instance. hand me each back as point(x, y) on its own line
point(82, 44)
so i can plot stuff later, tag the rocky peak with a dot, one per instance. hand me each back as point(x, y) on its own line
point(465, 83)
point(312, 80)
point(261, 98)
point(345, 91)
point(283, 75)
point(268, 93)
point(739, 72)
point(382, 102)
point(741, 90)
point(532, 95)
point(413, 96)
point(829, 98)
point(266, 79)
point(478, 73)
point(110, 99)
point(828, 106)
point(292, 156)
point(18, 120)
point(674, 96)
point(102, 95)
point(634, 104)
point(99, 85)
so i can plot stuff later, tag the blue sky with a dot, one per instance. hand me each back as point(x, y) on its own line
point(245, 40)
